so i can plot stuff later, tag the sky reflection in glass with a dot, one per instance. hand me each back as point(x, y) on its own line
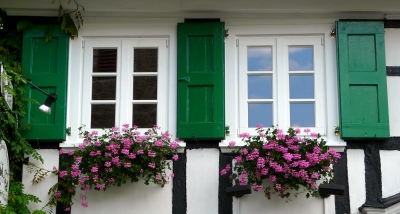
point(302, 115)
point(301, 58)
point(259, 58)
point(259, 87)
point(301, 86)
point(260, 113)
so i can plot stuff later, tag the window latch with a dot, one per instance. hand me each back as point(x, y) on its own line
point(184, 79)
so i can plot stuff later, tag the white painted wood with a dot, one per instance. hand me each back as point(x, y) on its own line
point(124, 74)
point(125, 7)
point(202, 176)
point(356, 178)
point(390, 169)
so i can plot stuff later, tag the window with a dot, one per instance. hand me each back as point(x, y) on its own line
point(281, 82)
point(124, 82)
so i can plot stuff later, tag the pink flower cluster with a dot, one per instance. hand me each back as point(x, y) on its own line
point(286, 160)
point(113, 158)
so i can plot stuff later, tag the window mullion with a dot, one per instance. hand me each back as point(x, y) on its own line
point(282, 109)
point(125, 82)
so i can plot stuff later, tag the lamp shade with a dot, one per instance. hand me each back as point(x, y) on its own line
point(46, 107)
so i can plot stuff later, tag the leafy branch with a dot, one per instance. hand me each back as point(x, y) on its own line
point(72, 21)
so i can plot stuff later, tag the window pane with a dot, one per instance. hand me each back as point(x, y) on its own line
point(144, 115)
point(145, 88)
point(260, 87)
point(104, 60)
point(259, 58)
point(103, 88)
point(260, 113)
point(302, 115)
point(145, 60)
point(103, 116)
point(301, 86)
point(301, 58)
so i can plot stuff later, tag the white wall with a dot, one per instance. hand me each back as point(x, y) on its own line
point(129, 198)
point(256, 202)
point(50, 157)
point(202, 176)
point(390, 169)
point(356, 178)
point(392, 46)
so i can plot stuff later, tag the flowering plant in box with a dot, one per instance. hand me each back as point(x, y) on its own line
point(288, 161)
point(112, 159)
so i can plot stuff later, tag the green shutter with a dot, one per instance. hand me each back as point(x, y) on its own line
point(362, 80)
point(201, 105)
point(46, 65)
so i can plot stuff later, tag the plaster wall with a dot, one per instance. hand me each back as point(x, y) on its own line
point(393, 85)
point(390, 169)
point(392, 46)
point(129, 198)
point(258, 203)
point(50, 157)
point(356, 178)
point(202, 178)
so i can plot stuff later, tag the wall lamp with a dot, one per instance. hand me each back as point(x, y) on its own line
point(325, 190)
point(51, 98)
point(238, 190)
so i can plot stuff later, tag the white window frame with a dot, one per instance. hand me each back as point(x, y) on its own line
point(280, 80)
point(125, 74)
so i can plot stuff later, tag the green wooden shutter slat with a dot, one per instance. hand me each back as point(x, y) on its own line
point(362, 80)
point(46, 65)
point(201, 105)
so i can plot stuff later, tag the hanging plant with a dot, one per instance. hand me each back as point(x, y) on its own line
point(112, 159)
point(287, 161)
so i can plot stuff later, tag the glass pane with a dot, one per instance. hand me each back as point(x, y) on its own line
point(144, 115)
point(104, 60)
point(259, 86)
point(301, 86)
point(259, 58)
point(145, 88)
point(145, 60)
point(103, 116)
point(103, 88)
point(301, 58)
point(302, 115)
point(260, 113)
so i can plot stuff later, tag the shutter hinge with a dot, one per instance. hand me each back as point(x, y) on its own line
point(237, 42)
point(167, 43)
point(83, 44)
point(322, 41)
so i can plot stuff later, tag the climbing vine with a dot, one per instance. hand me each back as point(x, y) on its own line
point(11, 35)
